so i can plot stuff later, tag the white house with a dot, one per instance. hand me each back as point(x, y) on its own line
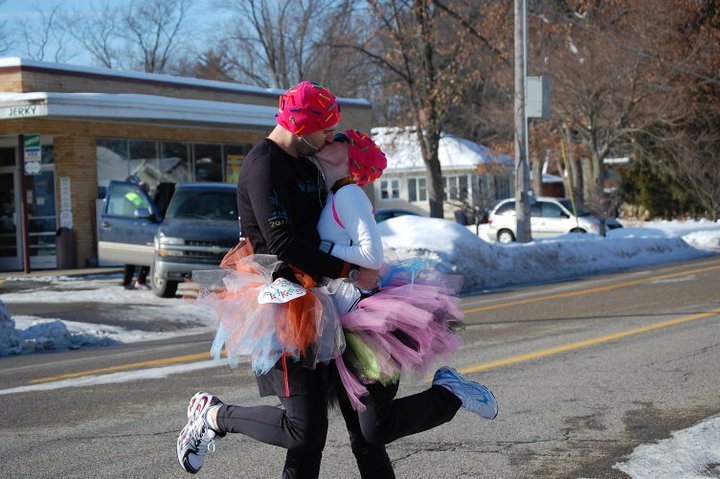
point(472, 173)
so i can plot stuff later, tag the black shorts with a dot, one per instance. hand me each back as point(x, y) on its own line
point(291, 378)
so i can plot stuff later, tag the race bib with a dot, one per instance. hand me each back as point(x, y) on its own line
point(280, 291)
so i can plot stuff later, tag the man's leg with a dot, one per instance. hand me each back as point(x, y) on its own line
point(143, 274)
point(300, 426)
point(128, 272)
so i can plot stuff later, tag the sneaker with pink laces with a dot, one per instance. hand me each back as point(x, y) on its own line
point(197, 438)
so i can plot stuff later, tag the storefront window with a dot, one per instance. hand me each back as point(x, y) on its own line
point(7, 156)
point(234, 156)
point(174, 162)
point(145, 162)
point(165, 163)
point(208, 162)
point(112, 160)
point(47, 155)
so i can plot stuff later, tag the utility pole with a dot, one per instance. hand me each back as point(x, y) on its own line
point(522, 169)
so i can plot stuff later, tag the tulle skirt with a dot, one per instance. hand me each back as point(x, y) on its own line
point(260, 320)
point(402, 329)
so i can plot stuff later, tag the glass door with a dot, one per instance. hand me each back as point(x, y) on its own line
point(42, 225)
point(10, 255)
point(41, 216)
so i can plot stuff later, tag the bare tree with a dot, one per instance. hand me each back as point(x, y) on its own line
point(143, 35)
point(40, 36)
point(153, 28)
point(685, 143)
point(98, 32)
point(4, 34)
point(276, 43)
point(425, 49)
point(693, 158)
point(606, 84)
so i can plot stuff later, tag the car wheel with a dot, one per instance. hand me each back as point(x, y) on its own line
point(505, 236)
point(578, 230)
point(160, 286)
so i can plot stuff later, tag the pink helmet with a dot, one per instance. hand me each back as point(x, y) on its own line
point(365, 159)
point(307, 108)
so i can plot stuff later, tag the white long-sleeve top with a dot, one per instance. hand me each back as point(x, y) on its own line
point(358, 240)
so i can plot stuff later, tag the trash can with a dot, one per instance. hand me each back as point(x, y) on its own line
point(461, 217)
point(65, 248)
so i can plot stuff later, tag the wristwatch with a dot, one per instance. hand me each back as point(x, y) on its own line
point(326, 246)
point(354, 274)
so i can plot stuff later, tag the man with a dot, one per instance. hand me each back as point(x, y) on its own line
point(135, 201)
point(281, 193)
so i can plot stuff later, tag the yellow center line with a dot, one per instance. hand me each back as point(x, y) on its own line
point(481, 367)
point(583, 292)
point(584, 344)
point(126, 367)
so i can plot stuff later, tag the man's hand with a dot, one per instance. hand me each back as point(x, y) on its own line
point(368, 279)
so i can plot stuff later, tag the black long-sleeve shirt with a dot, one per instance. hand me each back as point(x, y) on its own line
point(279, 202)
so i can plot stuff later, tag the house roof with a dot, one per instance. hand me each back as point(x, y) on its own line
point(402, 149)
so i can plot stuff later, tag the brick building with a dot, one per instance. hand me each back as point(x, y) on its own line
point(66, 131)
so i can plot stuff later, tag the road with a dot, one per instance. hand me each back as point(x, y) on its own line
point(584, 372)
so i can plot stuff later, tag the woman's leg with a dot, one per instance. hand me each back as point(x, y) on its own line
point(387, 418)
point(372, 459)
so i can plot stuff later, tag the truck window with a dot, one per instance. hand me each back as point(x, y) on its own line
point(211, 205)
point(125, 199)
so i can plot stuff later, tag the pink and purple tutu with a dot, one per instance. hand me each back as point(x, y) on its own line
point(402, 329)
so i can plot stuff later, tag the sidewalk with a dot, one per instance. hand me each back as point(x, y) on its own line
point(61, 272)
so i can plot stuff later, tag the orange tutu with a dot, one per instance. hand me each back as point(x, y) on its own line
point(306, 327)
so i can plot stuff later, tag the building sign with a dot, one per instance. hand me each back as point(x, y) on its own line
point(23, 111)
point(66, 217)
point(538, 96)
point(32, 153)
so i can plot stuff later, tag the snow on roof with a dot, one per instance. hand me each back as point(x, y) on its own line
point(402, 149)
point(160, 77)
point(126, 106)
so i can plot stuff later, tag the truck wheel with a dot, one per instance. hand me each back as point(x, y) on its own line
point(161, 286)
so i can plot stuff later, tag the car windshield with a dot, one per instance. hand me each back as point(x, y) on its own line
point(580, 210)
point(209, 205)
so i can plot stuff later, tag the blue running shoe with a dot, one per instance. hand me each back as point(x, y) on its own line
point(475, 397)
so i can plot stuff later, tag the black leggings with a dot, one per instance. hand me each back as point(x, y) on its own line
point(387, 419)
point(300, 426)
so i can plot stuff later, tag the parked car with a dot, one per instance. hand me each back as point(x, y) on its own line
point(387, 213)
point(548, 217)
point(199, 227)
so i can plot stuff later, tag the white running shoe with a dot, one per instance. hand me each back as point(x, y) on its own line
point(475, 397)
point(197, 438)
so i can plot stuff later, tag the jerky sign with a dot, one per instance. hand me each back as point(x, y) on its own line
point(24, 111)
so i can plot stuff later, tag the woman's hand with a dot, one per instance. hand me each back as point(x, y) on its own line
point(368, 279)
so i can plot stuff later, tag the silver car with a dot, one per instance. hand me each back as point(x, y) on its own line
point(549, 217)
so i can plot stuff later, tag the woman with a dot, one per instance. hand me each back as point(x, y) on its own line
point(397, 329)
